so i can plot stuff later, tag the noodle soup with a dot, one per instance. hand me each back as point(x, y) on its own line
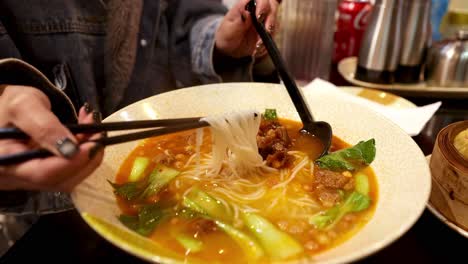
point(181, 192)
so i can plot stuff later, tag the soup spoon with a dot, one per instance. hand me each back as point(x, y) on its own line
point(320, 129)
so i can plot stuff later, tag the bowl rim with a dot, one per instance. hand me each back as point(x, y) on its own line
point(371, 249)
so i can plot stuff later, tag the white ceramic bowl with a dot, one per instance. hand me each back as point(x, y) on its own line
point(402, 172)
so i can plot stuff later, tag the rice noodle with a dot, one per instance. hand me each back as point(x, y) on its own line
point(234, 141)
point(198, 142)
point(241, 197)
point(294, 172)
point(191, 159)
point(239, 178)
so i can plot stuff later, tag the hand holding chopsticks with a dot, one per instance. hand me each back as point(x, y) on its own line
point(38, 152)
point(161, 127)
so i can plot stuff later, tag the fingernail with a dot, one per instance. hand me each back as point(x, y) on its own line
point(261, 17)
point(97, 117)
point(95, 150)
point(243, 18)
point(87, 107)
point(250, 5)
point(66, 147)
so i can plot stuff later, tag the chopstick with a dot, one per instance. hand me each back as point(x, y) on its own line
point(275, 55)
point(105, 141)
point(15, 133)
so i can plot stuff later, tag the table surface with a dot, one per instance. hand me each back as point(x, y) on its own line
point(66, 238)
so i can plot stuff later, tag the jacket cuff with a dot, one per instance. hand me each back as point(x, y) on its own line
point(202, 42)
point(212, 67)
point(20, 202)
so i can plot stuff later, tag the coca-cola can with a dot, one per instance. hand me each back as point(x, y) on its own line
point(352, 20)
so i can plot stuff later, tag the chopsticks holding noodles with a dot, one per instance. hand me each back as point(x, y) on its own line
point(164, 126)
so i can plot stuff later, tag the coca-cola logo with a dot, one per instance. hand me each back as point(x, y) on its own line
point(345, 17)
point(362, 18)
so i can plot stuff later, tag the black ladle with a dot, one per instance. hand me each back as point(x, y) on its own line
point(322, 130)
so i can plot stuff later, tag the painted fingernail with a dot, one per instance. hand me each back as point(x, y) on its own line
point(261, 17)
point(97, 117)
point(95, 150)
point(66, 147)
point(242, 17)
point(87, 107)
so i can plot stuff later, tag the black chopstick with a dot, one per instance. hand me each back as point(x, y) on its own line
point(14, 133)
point(105, 141)
point(275, 55)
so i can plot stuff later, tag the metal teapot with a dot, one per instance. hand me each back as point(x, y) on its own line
point(447, 62)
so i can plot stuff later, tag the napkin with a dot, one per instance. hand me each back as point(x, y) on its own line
point(411, 120)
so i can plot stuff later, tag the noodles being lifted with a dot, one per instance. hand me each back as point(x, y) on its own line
point(235, 143)
point(247, 189)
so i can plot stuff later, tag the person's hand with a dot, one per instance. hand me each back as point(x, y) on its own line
point(28, 109)
point(236, 36)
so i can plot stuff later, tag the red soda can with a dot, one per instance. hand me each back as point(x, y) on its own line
point(353, 16)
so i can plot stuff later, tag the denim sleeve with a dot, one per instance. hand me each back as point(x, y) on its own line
point(34, 203)
point(202, 42)
point(14, 71)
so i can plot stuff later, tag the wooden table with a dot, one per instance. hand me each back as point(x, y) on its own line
point(65, 238)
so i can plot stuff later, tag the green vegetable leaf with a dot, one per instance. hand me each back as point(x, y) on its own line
point(270, 114)
point(323, 219)
point(355, 202)
point(349, 159)
point(148, 218)
point(147, 187)
point(278, 244)
point(139, 166)
point(209, 207)
point(189, 243)
point(158, 179)
point(187, 213)
point(129, 190)
point(204, 203)
point(362, 183)
point(130, 221)
point(249, 245)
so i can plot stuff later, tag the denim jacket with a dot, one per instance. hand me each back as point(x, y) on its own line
point(66, 41)
point(62, 48)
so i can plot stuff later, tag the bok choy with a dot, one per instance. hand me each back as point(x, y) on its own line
point(349, 159)
point(357, 201)
point(139, 166)
point(278, 244)
point(206, 204)
point(147, 187)
point(211, 208)
point(362, 183)
point(147, 219)
point(189, 243)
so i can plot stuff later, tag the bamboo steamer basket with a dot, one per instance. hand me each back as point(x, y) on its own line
point(450, 176)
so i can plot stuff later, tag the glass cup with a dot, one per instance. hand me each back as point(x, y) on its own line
point(305, 37)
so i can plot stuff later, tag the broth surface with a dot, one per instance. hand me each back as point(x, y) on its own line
point(273, 204)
